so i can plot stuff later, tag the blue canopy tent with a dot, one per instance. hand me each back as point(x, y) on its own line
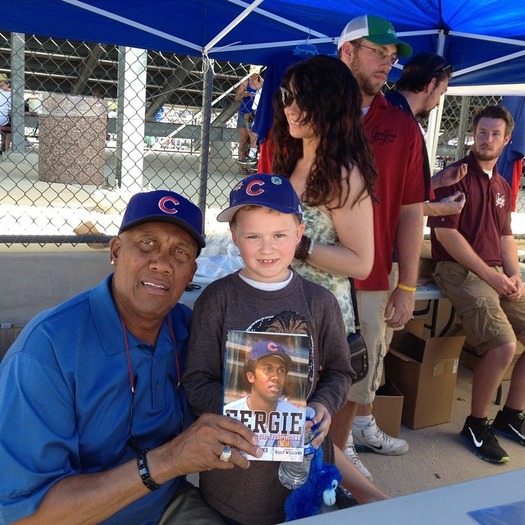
point(483, 39)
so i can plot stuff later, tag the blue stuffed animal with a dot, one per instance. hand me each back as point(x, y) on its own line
point(320, 487)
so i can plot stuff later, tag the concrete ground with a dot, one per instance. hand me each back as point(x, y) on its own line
point(437, 455)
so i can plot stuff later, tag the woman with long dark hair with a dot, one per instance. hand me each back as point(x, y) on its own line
point(320, 145)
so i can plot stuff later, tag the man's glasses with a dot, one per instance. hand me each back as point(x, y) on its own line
point(287, 97)
point(382, 55)
point(132, 441)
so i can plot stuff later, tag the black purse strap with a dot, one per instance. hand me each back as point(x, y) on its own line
point(354, 302)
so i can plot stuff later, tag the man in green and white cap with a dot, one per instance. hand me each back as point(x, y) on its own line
point(369, 46)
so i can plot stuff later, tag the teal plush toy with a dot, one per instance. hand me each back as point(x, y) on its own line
point(320, 487)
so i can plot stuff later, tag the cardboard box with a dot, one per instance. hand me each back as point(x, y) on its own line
point(425, 372)
point(470, 359)
point(388, 409)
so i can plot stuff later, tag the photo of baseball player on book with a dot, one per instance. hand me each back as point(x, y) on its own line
point(266, 385)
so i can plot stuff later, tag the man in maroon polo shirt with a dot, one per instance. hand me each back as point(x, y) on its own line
point(478, 270)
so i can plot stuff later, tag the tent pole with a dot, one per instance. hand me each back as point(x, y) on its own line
point(434, 121)
point(462, 130)
point(132, 76)
point(18, 141)
point(207, 65)
point(230, 26)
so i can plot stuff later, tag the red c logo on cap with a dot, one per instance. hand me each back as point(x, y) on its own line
point(273, 347)
point(165, 209)
point(251, 190)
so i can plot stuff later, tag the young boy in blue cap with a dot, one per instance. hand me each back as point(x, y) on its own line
point(266, 295)
point(93, 425)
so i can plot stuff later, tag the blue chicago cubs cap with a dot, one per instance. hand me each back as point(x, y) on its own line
point(261, 189)
point(268, 349)
point(164, 206)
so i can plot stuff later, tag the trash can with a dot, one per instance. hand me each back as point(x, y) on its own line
point(72, 139)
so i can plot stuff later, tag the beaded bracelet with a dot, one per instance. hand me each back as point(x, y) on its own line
point(406, 288)
point(145, 475)
point(303, 249)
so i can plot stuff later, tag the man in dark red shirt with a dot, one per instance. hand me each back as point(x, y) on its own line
point(369, 47)
point(478, 270)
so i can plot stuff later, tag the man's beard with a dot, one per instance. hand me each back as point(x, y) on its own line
point(486, 155)
point(366, 86)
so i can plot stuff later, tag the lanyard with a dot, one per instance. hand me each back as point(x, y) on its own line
point(128, 356)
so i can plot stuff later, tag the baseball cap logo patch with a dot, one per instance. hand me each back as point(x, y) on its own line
point(254, 188)
point(168, 205)
point(272, 347)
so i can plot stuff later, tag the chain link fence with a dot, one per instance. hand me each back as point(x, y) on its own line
point(92, 124)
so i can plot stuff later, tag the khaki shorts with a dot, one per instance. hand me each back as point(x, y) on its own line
point(489, 321)
point(371, 307)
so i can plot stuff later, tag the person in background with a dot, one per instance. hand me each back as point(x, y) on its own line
point(369, 47)
point(245, 94)
point(94, 424)
point(479, 272)
point(423, 82)
point(5, 112)
point(97, 91)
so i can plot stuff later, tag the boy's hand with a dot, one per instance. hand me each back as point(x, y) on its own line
point(320, 423)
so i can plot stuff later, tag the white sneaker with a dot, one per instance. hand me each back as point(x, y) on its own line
point(373, 438)
point(351, 454)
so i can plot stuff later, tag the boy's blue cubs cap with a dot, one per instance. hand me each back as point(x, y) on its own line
point(261, 189)
point(164, 206)
point(269, 349)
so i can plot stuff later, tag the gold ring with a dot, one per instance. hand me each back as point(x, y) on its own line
point(226, 454)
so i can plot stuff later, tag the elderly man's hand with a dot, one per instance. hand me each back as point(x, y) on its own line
point(200, 446)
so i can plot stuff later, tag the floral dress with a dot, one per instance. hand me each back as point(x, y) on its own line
point(320, 228)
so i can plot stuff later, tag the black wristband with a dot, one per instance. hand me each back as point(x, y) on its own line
point(302, 251)
point(145, 476)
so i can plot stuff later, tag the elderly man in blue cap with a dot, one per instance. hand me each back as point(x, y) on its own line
point(94, 424)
